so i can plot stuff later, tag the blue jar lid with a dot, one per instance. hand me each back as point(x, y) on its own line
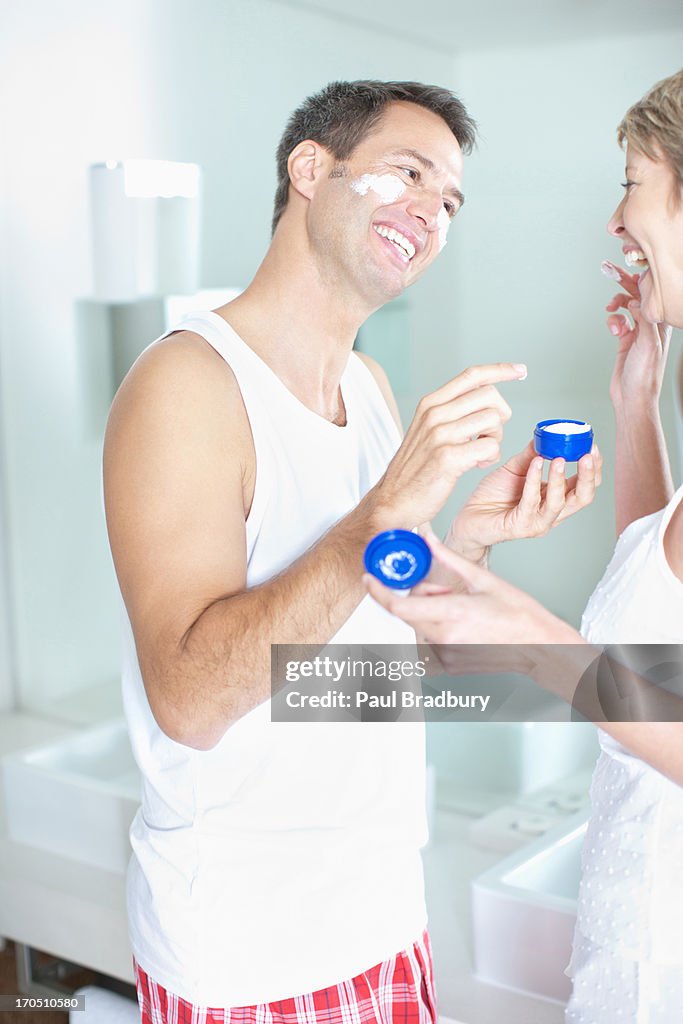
point(398, 558)
point(570, 444)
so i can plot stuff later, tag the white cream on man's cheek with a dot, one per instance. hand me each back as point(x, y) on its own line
point(388, 187)
point(443, 222)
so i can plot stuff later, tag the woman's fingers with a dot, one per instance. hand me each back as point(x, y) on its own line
point(619, 301)
point(629, 282)
point(425, 588)
point(422, 611)
point(619, 325)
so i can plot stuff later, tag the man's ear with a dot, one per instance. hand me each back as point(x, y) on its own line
point(308, 163)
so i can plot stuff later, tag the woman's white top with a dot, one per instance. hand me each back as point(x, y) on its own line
point(631, 896)
point(286, 858)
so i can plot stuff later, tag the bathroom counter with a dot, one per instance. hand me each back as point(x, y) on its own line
point(78, 912)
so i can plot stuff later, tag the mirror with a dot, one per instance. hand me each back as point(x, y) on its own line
point(213, 85)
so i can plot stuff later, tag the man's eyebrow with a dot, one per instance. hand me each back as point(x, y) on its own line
point(429, 165)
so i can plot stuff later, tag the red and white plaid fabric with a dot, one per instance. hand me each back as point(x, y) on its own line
point(397, 991)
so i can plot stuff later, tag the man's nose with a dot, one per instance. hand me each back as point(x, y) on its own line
point(615, 224)
point(425, 205)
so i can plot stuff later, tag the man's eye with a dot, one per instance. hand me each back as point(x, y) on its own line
point(450, 209)
point(411, 172)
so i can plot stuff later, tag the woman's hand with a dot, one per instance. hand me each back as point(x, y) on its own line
point(513, 502)
point(487, 610)
point(643, 346)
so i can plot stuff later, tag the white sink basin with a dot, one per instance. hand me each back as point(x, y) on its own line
point(75, 797)
point(524, 911)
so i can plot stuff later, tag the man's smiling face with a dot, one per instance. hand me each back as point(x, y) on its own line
point(381, 219)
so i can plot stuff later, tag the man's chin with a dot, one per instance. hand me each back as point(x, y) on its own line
point(383, 291)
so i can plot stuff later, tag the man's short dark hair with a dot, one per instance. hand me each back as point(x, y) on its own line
point(342, 114)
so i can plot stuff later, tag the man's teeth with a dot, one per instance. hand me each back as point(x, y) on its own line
point(635, 258)
point(397, 238)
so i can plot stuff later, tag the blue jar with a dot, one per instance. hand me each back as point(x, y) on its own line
point(572, 443)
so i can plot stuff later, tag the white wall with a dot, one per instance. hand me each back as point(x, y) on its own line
point(7, 682)
point(528, 246)
point(209, 82)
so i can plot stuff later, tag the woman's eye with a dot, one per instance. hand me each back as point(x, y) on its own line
point(627, 184)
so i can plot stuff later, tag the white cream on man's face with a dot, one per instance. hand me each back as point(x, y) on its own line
point(444, 223)
point(388, 187)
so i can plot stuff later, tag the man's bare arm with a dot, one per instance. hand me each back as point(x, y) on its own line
point(178, 468)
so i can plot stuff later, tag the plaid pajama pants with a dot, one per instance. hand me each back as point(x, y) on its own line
point(397, 991)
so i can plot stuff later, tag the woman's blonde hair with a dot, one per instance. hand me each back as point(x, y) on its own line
point(654, 125)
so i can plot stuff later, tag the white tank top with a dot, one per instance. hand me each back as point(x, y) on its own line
point(639, 600)
point(631, 894)
point(285, 859)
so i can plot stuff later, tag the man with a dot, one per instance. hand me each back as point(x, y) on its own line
point(249, 458)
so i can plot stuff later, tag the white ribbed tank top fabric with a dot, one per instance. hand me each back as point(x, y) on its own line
point(639, 599)
point(286, 858)
point(632, 887)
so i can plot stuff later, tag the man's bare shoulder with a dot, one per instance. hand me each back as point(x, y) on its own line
point(180, 379)
point(181, 361)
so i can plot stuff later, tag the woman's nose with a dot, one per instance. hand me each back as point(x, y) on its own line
point(615, 224)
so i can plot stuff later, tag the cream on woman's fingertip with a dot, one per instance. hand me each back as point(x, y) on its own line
point(609, 270)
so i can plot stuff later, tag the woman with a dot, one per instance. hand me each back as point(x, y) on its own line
point(627, 963)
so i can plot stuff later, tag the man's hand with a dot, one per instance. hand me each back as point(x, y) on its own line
point(454, 429)
point(513, 501)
